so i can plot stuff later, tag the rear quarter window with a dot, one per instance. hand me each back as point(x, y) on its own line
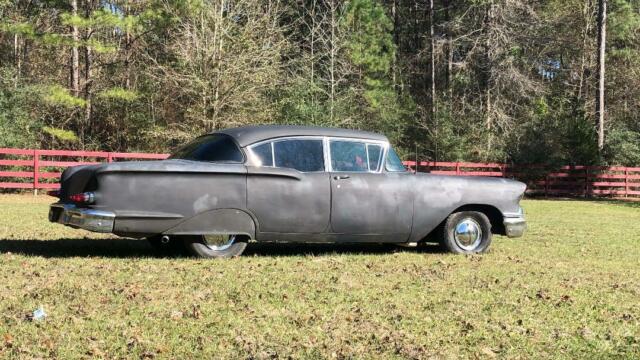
point(213, 148)
point(263, 154)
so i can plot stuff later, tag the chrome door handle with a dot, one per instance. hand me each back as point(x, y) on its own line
point(341, 177)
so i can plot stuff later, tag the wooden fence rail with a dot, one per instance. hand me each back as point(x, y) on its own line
point(41, 169)
point(575, 180)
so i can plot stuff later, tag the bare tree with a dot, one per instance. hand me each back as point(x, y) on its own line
point(228, 57)
point(75, 67)
point(88, 72)
point(432, 62)
point(489, 81)
point(449, 43)
point(333, 54)
point(602, 41)
point(432, 51)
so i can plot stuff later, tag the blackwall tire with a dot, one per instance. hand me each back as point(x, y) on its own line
point(200, 247)
point(466, 232)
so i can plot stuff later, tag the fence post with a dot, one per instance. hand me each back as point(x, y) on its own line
point(457, 168)
point(109, 157)
point(588, 186)
point(546, 185)
point(36, 171)
point(626, 182)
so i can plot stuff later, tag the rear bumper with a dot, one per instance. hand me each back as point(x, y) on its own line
point(82, 218)
point(515, 226)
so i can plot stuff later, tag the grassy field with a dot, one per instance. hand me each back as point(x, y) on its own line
point(569, 289)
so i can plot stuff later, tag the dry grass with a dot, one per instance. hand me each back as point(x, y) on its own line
point(569, 289)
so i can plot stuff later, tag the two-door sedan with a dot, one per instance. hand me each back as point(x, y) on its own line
point(291, 184)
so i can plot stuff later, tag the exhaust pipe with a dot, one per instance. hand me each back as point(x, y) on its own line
point(165, 239)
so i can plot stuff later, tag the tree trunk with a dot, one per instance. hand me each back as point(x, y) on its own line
point(127, 61)
point(432, 61)
point(394, 65)
point(432, 50)
point(312, 46)
point(88, 64)
point(332, 64)
point(602, 41)
point(87, 93)
point(583, 57)
point(489, 59)
point(447, 19)
point(75, 68)
point(16, 54)
point(217, 107)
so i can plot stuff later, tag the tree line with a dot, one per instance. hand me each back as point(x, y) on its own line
point(548, 81)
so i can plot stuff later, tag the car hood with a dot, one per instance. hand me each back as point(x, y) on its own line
point(501, 193)
point(512, 185)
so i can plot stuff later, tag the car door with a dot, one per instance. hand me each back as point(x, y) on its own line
point(366, 199)
point(288, 188)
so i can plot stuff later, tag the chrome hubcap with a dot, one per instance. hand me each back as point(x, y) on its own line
point(219, 242)
point(468, 234)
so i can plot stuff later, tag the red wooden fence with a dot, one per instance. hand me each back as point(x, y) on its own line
point(41, 169)
point(549, 181)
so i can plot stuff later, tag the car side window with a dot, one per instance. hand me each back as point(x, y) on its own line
point(349, 156)
point(263, 154)
point(394, 164)
point(374, 152)
point(213, 148)
point(300, 154)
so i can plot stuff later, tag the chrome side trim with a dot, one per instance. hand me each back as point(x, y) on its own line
point(83, 218)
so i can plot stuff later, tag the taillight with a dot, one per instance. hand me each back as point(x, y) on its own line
point(83, 198)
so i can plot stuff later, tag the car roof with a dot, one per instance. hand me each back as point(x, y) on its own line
point(247, 135)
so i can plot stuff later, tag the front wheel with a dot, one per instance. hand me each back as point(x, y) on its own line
point(466, 232)
point(216, 246)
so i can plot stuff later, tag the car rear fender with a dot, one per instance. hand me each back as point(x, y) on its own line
point(218, 221)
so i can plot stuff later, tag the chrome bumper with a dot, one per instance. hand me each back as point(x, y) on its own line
point(88, 219)
point(515, 226)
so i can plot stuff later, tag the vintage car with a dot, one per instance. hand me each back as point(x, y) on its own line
point(290, 184)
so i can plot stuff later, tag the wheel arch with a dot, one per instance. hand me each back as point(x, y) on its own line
point(493, 213)
point(495, 216)
point(217, 221)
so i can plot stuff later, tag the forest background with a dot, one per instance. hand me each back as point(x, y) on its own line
point(549, 81)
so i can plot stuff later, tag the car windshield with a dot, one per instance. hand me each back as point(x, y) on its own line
point(214, 148)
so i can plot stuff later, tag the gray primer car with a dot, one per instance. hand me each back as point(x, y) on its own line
point(287, 183)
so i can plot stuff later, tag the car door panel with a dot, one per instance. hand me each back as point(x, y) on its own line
point(288, 201)
point(371, 204)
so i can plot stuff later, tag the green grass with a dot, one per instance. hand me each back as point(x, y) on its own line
point(569, 289)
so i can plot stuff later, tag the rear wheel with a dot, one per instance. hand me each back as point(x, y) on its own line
point(466, 232)
point(216, 246)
